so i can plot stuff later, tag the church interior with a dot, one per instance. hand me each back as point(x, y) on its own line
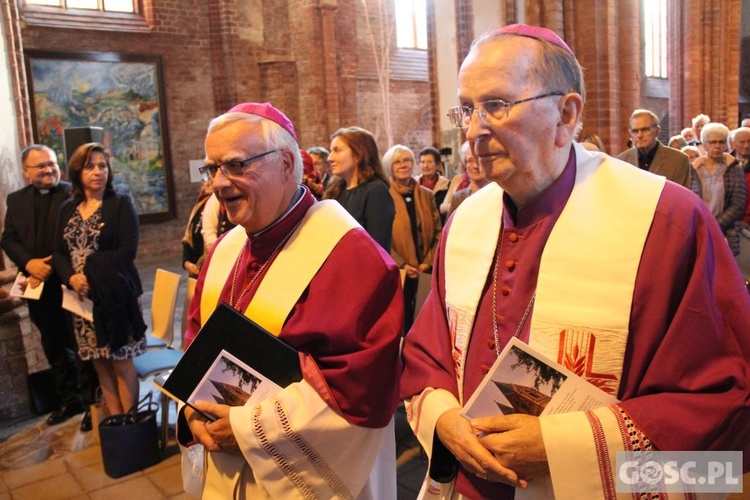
point(389, 66)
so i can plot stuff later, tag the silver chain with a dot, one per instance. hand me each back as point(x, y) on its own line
point(494, 299)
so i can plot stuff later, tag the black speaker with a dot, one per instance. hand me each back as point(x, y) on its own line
point(75, 136)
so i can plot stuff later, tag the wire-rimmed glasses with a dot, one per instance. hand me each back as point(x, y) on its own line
point(233, 168)
point(489, 111)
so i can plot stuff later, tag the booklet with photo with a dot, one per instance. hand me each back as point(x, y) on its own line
point(522, 380)
point(22, 289)
point(232, 361)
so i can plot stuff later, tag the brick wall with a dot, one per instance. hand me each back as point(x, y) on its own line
point(302, 56)
point(180, 37)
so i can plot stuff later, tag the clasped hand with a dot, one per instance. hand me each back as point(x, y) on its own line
point(414, 272)
point(39, 270)
point(80, 285)
point(216, 435)
point(505, 448)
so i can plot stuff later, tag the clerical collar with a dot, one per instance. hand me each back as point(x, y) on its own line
point(295, 200)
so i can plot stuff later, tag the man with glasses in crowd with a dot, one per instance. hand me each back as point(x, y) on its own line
point(609, 270)
point(330, 435)
point(27, 239)
point(648, 153)
point(741, 153)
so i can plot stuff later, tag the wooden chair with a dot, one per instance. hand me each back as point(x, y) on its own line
point(159, 360)
point(163, 305)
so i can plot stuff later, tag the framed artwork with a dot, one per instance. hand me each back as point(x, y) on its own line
point(122, 94)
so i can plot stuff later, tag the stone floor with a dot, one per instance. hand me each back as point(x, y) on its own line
point(42, 462)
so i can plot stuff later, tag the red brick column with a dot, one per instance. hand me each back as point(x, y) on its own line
point(331, 92)
point(709, 78)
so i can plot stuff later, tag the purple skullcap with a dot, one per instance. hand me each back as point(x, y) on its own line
point(534, 32)
point(265, 110)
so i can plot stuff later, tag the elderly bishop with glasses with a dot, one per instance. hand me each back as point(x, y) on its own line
point(614, 272)
point(336, 298)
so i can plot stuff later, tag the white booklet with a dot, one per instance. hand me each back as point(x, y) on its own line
point(522, 380)
point(21, 288)
point(82, 307)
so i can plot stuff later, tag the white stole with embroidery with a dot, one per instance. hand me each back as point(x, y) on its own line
point(584, 291)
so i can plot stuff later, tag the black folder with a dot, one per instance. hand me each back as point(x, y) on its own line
point(229, 330)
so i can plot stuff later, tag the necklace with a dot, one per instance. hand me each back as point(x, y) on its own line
point(247, 288)
point(494, 299)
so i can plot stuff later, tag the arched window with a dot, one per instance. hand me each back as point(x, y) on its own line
point(411, 24)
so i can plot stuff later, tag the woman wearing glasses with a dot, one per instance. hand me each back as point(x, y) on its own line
point(93, 253)
point(360, 184)
point(416, 228)
point(722, 182)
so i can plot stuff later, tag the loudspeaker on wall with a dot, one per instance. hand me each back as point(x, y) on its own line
point(75, 136)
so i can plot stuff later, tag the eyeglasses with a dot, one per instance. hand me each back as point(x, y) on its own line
point(89, 167)
point(642, 130)
point(497, 109)
point(45, 165)
point(233, 168)
point(716, 143)
point(405, 161)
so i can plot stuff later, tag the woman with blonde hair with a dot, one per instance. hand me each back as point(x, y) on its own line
point(416, 228)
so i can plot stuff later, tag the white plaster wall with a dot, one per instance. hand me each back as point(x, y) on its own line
point(487, 16)
point(10, 152)
point(447, 64)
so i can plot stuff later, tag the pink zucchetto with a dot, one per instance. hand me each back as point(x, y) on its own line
point(533, 32)
point(265, 110)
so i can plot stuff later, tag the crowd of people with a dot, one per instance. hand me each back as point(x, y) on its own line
point(540, 237)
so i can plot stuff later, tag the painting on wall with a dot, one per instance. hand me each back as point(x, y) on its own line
point(122, 94)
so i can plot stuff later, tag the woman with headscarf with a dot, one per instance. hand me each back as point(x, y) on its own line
point(416, 228)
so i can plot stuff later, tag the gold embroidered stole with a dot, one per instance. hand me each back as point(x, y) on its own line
point(322, 227)
point(587, 270)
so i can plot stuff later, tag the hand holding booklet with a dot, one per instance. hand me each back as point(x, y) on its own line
point(21, 288)
point(232, 361)
point(522, 380)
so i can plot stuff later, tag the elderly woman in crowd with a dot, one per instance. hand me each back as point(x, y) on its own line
point(94, 252)
point(476, 175)
point(677, 142)
point(417, 227)
point(723, 185)
point(692, 152)
point(360, 184)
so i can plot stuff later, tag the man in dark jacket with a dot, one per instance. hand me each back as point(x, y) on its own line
point(27, 239)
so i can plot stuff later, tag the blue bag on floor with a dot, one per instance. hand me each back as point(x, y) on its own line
point(130, 441)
